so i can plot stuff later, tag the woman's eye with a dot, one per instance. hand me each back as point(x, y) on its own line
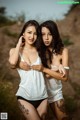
point(50, 34)
point(29, 32)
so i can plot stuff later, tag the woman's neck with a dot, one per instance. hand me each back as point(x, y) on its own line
point(27, 46)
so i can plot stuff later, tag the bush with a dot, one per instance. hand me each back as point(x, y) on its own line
point(67, 42)
point(8, 102)
point(70, 104)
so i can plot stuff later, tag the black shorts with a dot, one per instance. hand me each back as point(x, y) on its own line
point(35, 103)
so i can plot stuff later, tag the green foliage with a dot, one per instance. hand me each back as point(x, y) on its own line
point(2, 10)
point(71, 104)
point(67, 42)
point(8, 102)
point(6, 20)
point(4, 94)
point(3, 18)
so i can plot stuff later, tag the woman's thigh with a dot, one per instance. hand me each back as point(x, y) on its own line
point(42, 109)
point(28, 110)
point(58, 108)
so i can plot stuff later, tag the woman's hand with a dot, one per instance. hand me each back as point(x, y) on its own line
point(62, 70)
point(24, 66)
point(20, 43)
point(47, 76)
point(37, 67)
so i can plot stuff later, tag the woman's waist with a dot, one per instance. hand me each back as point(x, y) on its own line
point(53, 81)
point(32, 79)
point(30, 73)
point(54, 85)
point(35, 84)
point(32, 93)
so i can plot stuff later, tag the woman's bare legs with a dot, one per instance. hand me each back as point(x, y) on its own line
point(28, 110)
point(58, 108)
point(42, 110)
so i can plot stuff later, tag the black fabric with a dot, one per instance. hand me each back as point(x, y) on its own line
point(35, 103)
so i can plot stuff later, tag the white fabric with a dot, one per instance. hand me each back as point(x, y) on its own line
point(32, 84)
point(54, 88)
point(66, 67)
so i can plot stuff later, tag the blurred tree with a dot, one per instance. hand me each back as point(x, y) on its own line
point(4, 19)
point(2, 10)
point(20, 17)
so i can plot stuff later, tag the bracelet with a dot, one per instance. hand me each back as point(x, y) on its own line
point(66, 68)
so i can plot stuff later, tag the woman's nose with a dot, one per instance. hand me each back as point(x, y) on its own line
point(46, 36)
point(32, 35)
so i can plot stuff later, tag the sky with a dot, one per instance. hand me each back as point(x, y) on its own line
point(36, 9)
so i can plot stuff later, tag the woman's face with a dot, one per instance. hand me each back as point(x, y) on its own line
point(46, 36)
point(30, 35)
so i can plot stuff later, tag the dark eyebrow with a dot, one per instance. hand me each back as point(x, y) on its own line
point(29, 31)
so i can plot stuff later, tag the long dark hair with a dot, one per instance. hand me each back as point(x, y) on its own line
point(56, 44)
point(31, 23)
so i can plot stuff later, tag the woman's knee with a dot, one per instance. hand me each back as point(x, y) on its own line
point(43, 114)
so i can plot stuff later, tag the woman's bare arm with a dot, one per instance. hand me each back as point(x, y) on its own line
point(50, 72)
point(53, 73)
point(14, 54)
point(58, 75)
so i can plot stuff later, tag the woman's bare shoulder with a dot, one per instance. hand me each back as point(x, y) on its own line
point(65, 50)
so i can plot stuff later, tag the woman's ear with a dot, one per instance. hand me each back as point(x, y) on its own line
point(23, 35)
